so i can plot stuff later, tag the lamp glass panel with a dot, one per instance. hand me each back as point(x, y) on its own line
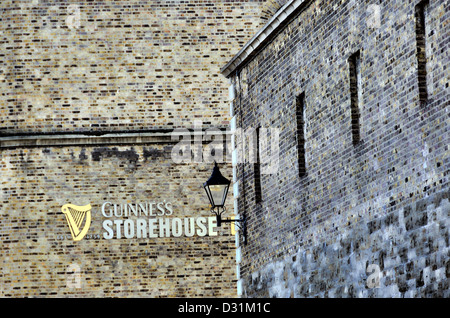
point(217, 193)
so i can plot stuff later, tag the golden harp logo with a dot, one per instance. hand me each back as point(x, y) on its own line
point(76, 216)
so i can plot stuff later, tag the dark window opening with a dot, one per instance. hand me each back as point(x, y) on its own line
point(300, 117)
point(355, 90)
point(421, 51)
point(257, 170)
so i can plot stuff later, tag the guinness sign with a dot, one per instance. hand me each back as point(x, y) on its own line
point(137, 221)
point(78, 218)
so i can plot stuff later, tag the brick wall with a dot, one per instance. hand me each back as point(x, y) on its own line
point(118, 65)
point(71, 71)
point(382, 200)
point(39, 256)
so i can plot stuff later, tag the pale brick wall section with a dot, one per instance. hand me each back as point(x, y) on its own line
point(36, 182)
point(129, 65)
point(80, 82)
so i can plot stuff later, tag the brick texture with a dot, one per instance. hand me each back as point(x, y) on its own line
point(382, 200)
point(38, 252)
point(118, 65)
point(91, 67)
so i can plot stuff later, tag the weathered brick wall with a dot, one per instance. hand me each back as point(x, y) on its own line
point(383, 201)
point(409, 246)
point(39, 256)
point(118, 65)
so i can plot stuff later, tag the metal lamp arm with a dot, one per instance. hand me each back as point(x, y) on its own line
point(241, 223)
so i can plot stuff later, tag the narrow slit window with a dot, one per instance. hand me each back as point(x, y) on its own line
point(421, 51)
point(300, 117)
point(355, 95)
point(257, 170)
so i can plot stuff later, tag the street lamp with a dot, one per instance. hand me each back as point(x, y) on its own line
point(216, 188)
